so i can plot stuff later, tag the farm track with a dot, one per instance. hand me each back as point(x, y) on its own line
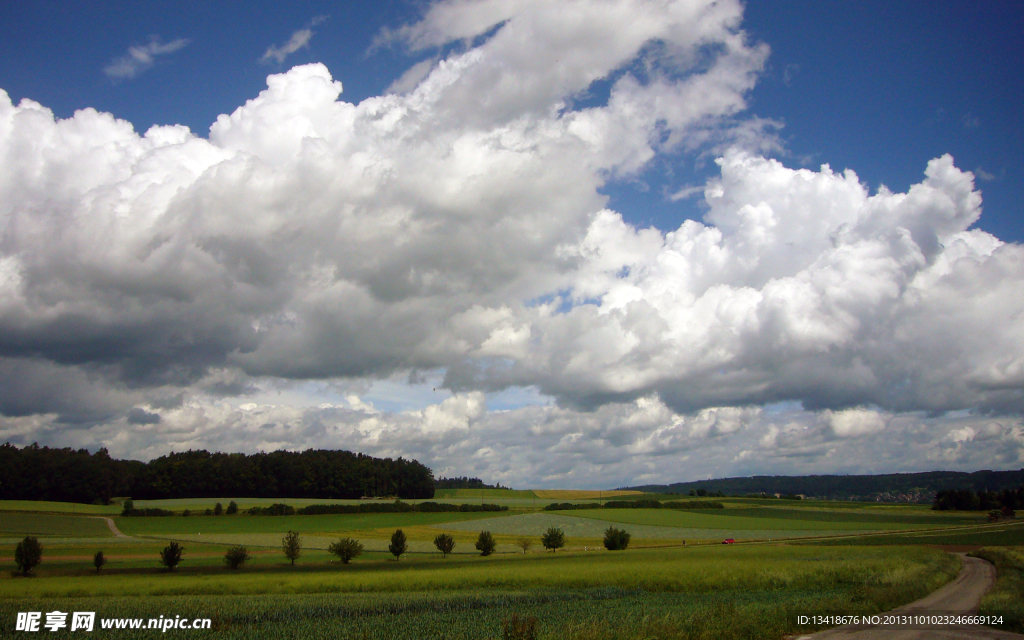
point(961, 596)
point(113, 527)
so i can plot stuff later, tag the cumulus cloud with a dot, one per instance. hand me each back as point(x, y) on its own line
point(455, 225)
point(140, 58)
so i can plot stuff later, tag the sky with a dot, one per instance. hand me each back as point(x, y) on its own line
point(586, 244)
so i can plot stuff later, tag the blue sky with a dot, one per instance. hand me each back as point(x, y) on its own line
point(543, 246)
point(875, 86)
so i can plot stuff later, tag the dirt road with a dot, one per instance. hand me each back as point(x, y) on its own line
point(113, 527)
point(962, 596)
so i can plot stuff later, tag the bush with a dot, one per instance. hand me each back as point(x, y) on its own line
point(186, 513)
point(553, 538)
point(276, 509)
point(524, 544)
point(232, 508)
point(346, 549)
point(218, 509)
point(444, 543)
point(98, 561)
point(616, 539)
point(127, 507)
point(170, 557)
point(398, 544)
point(485, 543)
point(292, 546)
point(236, 556)
point(28, 554)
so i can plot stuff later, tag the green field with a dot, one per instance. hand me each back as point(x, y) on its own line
point(863, 559)
point(483, 493)
point(724, 591)
point(38, 524)
point(205, 525)
point(59, 507)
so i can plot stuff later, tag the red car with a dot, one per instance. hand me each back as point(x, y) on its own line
point(729, 541)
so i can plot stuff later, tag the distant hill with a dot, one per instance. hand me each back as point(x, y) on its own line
point(892, 487)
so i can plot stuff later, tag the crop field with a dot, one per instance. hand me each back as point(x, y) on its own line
point(656, 588)
point(711, 519)
point(591, 525)
point(670, 593)
point(59, 507)
point(1004, 534)
point(205, 525)
point(484, 493)
point(39, 524)
point(906, 516)
point(563, 494)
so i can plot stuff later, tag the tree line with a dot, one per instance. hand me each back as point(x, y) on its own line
point(464, 483)
point(967, 500)
point(29, 552)
point(70, 475)
point(849, 486)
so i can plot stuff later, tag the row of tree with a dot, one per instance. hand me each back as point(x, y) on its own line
point(967, 500)
point(70, 475)
point(29, 552)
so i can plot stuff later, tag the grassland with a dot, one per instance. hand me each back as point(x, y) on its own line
point(701, 591)
point(170, 526)
point(39, 524)
point(711, 519)
point(1007, 598)
point(718, 592)
point(59, 507)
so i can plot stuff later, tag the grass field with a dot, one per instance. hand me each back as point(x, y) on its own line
point(1007, 598)
point(905, 516)
point(59, 507)
point(705, 591)
point(169, 526)
point(38, 524)
point(711, 519)
point(721, 592)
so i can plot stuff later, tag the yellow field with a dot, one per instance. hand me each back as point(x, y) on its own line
point(573, 494)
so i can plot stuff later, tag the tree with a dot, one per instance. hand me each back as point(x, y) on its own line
point(218, 509)
point(398, 544)
point(444, 543)
point(28, 554)
point(236, 556)
point(553, 538)
point(292, 546)
point(346, 549)
point(616, 539)
point(485, 543)
point(98, 561)
point(170, 557)
point(127, 507)
point(232, 508)
point(524, 544)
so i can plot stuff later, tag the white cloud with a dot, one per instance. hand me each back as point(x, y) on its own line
point(140, 58)
point(299, 40)
point(855, 422)
point(457, 226)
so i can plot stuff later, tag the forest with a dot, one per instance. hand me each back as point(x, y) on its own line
point(851, 486)
point(70, 475)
